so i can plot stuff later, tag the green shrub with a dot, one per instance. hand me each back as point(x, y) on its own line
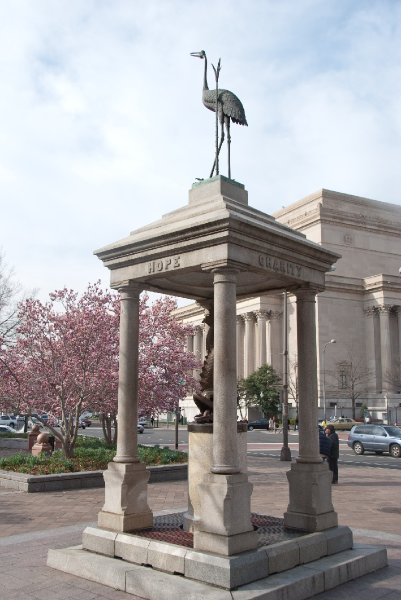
point(90, 455)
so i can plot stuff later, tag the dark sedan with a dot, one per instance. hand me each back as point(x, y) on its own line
point(258, 424)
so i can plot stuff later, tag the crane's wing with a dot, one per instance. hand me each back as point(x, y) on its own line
point(232, 107)
point(229, 105)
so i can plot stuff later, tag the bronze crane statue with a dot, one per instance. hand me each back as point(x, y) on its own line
point(228, 107)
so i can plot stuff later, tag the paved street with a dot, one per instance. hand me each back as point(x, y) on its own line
point(367, 499)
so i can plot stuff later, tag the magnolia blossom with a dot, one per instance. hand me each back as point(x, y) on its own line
point(65, 358)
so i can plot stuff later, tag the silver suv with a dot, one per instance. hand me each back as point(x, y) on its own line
point(375, 438)
point(7, 420)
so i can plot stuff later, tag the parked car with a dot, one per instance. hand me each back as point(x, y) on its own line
point(258, 424)
point(375, 438)
point(343, 423)
point(7, 420)
point(7, 429)
point(86, 420)
point(140, 428)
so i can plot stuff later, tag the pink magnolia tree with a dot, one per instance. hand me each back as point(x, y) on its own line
point(65, 351)
point(165, 366)
point(65, 360)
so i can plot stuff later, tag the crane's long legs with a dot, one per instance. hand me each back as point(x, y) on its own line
point(218, 152)
point(228, 147)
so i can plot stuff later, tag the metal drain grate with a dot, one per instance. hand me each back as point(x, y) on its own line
point(169, 528)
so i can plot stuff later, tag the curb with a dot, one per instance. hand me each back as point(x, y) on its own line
point(25, 482)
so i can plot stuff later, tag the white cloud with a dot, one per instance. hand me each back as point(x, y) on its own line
point(102, 128)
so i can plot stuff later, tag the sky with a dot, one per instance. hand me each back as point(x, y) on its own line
point(102, 127)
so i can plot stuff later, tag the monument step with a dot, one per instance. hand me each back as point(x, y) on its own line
point(301, 582)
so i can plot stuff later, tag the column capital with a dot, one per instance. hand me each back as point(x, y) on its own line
point(128, 289)
point(262, 314)
point(307, 294)
point(224, 275)
point(370, 311)
point(385, 309)
point(249, 316)
point(275, 315)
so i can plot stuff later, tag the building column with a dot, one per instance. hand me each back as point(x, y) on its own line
point(126, 507)
point(225, 495)
point(372, 355)
point(240, 347)
point(310, 507)
point(269, 339)
point(276, 339)
point(189, 343)
point(399, 343)
point(249, 344)
point(385, 347)
point(261, 317)
point(198, 342)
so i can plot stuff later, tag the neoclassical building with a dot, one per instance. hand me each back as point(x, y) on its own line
point(358, 314)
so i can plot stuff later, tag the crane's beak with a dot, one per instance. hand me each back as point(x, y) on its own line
point(198, 54)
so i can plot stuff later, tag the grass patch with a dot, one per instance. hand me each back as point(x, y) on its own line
point(13, 436)
point(91, 454)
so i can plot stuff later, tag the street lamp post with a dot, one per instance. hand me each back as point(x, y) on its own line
point(285, 450)
point(324, 376)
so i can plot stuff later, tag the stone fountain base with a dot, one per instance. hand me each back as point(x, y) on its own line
point(160, 563)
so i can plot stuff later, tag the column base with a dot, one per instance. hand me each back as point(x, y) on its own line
point(310, 507)
point(125, 507)
point(225, 521)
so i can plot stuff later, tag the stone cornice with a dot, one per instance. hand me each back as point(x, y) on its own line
point(357, 215)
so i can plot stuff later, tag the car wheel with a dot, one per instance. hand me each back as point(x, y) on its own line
point(358, 448)
point(395, 450)
point(250, 428)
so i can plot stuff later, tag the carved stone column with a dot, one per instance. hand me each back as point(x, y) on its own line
point(249, 345)
point(240, 347)
point(189, 343)
point(399, 343)
point(225, 523)
point(269, 339)
point(126, 506)
point(198, 342)
point(310, 507)
point(276, 340)
point(261, 317)
point(385, 347)
point(373, 361)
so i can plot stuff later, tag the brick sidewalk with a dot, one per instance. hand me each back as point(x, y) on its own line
point(366, 499)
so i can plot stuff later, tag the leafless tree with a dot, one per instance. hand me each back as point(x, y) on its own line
point(9, 297)
point(293, 392)
point(353, 379)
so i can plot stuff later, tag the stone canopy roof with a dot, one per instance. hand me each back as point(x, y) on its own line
point(217, 228)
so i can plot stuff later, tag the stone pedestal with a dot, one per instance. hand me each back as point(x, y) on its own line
point(225, 525)
point(41, 448)
point(200, 460)
point(310, 507)
point(125, 507)
point(32, 437)
point(41, 445)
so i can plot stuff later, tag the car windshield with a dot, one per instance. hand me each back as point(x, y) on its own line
point(393, 431)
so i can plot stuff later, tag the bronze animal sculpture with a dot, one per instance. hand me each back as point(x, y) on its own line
point(229, 107)
point(204, 399)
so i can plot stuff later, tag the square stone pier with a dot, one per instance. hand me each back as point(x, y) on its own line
point(216, 250)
